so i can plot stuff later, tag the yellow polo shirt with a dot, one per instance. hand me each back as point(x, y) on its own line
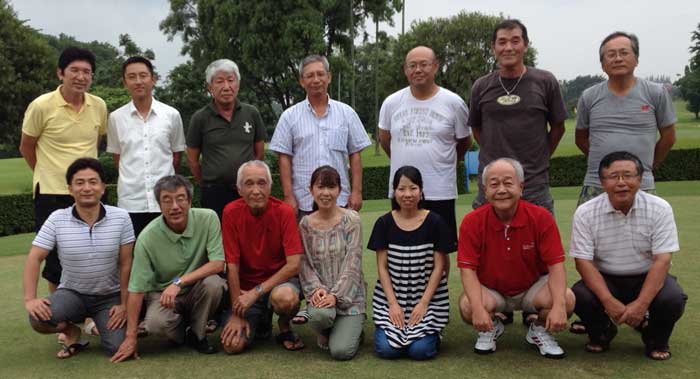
point(63, 136)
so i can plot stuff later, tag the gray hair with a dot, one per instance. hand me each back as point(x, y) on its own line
point(519, 172)
point(634, 41)
point(171, 183)
point(222, 65)
point(311, 59)
point(253, 163)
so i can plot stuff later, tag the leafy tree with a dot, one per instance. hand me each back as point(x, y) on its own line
point(267, 39)
point(185, 90)
point(572, 89)
point(689, 84)
point(27, 69)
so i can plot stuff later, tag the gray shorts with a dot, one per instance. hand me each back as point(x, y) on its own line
point(259, 315)
point(71, 306)
point(519, 302)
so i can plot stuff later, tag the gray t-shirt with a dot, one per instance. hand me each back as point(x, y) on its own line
point(624, 123)
point(517, 131)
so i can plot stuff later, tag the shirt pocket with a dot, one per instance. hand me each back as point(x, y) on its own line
point(337, 138)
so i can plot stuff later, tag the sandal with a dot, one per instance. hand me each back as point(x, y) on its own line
point(577, 327)
point(211, 326)
point(325, 335)
point(302, 317)
point(289, 336)
point(658, 354)
point(68, 351)
point(602, 343)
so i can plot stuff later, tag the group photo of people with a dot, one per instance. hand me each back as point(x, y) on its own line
point(243, 267)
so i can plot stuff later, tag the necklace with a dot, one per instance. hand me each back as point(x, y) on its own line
point(509, 99)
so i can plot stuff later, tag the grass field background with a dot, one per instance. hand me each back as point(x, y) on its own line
point(15, 176)
point(24, 353)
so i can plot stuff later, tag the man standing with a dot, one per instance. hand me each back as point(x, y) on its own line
point(177, 260)
point(623, 113)
point(226, 133)
point(510, 257)
point(315, 132)
point(94, 243)
point(425, 126)
point(263, 256)
point(622, 242)
point(58, 128)
point(146, 140)
point(510, 110)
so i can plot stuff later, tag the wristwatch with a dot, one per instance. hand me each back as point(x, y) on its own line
point(259, 289)
point(177, 281)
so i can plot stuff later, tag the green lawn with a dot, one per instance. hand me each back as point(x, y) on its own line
point(24, 353)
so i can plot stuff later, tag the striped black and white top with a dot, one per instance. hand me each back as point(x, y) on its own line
point(410, 260)
point(89, 255)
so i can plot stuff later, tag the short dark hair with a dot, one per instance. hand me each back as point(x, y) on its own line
point(82, 164)
point(137, 59)
point(510, 24)
point(634, 41)
point(171, 183)
point(613, 157)
point(73, 53)
point(413, 174)
point(326, 176)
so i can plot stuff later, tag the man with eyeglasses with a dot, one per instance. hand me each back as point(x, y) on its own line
point(177, 259)
point(623, 113)
point(58, 128)
point(622, 242)
point(315, 132)
point(425, 126)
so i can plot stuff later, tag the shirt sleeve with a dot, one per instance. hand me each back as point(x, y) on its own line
point(468, 245)
point(46, 237)
point(557, 108)
point(215, 249)
point(378, 240)
point(127, 230)
point(462, 119)
point(664, 237)
point(308, 277)
point(582, 244)
point(142, 278)
point(291, 242)
point(177, 134)
point(385, 115)
point(33, 123)
point(282, 137)
point(350, 282)
point(230, 236)
point(665, 114)
point(260, 130)
point(113, 145)
point(194, 133)
point(357, 135)
point(549, 240)
point(582, 113)
point(474, 109)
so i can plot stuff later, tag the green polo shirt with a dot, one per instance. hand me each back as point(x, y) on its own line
point(224, 145)
point(161, 255)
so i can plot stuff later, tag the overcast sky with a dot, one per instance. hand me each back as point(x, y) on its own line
point(566, 33)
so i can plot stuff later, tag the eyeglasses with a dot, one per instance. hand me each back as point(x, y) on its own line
point(616, 176)
point(612, 54)
point(412, 66)
point(180, 200)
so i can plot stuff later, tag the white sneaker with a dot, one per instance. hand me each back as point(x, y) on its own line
point(486, 343)
point(539, 336)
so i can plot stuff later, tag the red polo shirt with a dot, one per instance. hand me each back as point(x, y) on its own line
point(259, 245)
point(509, 258)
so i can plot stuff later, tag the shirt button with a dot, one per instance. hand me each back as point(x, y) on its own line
point(508, 249)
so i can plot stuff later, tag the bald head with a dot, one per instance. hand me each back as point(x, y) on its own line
point(420, 68)
point(423, 52)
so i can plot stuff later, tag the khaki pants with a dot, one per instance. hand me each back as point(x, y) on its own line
point(196, 307)
point(345, 331)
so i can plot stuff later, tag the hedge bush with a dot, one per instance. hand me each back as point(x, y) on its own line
point(17, 212)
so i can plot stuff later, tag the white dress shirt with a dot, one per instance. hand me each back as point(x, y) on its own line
point(146, 148)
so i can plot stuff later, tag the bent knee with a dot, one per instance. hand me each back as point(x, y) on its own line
point(284, 300)
point(234, 348)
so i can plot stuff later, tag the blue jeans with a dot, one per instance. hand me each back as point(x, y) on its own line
point(424, 348)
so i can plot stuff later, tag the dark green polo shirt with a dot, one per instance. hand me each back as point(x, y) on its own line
point(224, 145)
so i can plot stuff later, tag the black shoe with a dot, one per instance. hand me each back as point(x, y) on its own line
point(201, 346)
